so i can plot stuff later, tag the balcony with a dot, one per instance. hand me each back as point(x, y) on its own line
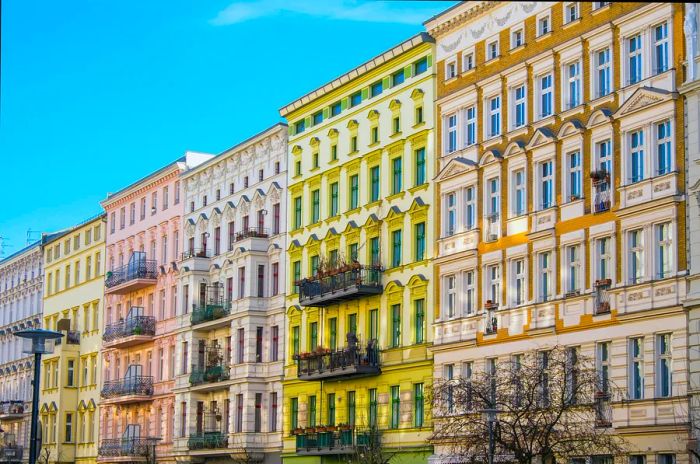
point(252, 232)
point(602, 298)
point(210, 374)
point(330, 440)
point(131, 389)
point(138, 274)
point(130, 331)
point(195, 253)
point(11, 410)
point(344, 363)
point(603, 410)
point(346, 283)
point(72, 337)
point(207, 440)
point(211, 311)
point(127, 449)
point(11, 454)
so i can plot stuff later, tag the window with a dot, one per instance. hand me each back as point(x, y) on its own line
point(300, 126)
point(603, 366)
point(636, 368)
point(372, 407)
point(661, 48)
point(374, 250)
point(519, 272)
point(492, 50)
point(451, 142)
point(418, 405)
point(297, 212)
point(520, 106)
point(470, 205)
point(545, 289)
point(450, 295)
point(574, 268)
point(318, 118)
point(397, 78)
point(519, 192)
point(573, 73)
point(354, 191)
point(634, 59)
point(636, 256)
point(419, 235)
point(395, 407)
point(570, 12)
point(603, 81)
point(493, 275)
point(374, 134)
point(638, 458)
point(574, 161)
point(545, 99)
point(132, 214)
point(336, 108)
point(314, 159)
point(395, 325)
point(546, 184)
point(69, 427)
point(666, 459)
point(450, 69)
point(637, 155)
point(663, 366)
point(419, 309)
point(334, 200)
point(142, 214)
point(494, 116)
point(420, 66)
point(419, 156)
point(297, 168)
point(663, 147)
point(396, 125)
point(334, 152)
point(374, 184)
point(315, 206)
point(276, 218)
point(154, 203)
point(419, 115)
point(543, 25)
point(517, 38)
point(603, 257)
point(470, 292)
point(468, 61)
point(494, 192)
point(70, 380)
point(470, 126)
point(397, 175)
point(599, 5)
point(663, 250)
point(396, 248)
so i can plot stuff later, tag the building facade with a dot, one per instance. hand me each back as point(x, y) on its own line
point(359, 302)
point(137, 403)
point(21, 290)
point(70, 378)
point(230, 334)
point(562, 206)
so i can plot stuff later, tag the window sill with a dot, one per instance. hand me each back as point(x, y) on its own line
point(395, 135)
point(418, 188)
point(352, 211)
point(373, 144)
point(602, 8)
point(492, 60)
point(466, 72)
point(415, 264)
point(450, 80)
point(332, 219)
point(571, 23)
point(333, 161)
point(610, 97)
point(492, 141)
point(546, 121)
point(580, 108)
point(517, 132)
point(517, 49)
point(543, 36)
point(396, 196)
point(373, 204)
point(314, 169)
point(418, 125)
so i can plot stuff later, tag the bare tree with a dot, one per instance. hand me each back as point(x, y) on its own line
point(368, 449)
point(548, 405)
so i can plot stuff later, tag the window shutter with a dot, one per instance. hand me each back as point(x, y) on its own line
point(430, 60)
point(365, 93)
point(408, 71)
point(326, 112)
point(308, 121)
point(344, 103)
point(290, 130)
point(386, 82)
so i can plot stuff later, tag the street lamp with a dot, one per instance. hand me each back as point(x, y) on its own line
point(491, 419)
point(36, 342)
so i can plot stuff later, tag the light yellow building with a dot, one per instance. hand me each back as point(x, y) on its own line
point(359, 299)
point(562, 206)
point(70, 377)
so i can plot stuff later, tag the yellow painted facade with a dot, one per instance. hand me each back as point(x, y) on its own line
point(360, 204)
point(70, 377)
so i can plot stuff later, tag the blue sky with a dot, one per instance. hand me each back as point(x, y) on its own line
point(98, 93)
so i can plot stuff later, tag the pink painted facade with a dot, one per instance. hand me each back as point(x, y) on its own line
point(139, 341)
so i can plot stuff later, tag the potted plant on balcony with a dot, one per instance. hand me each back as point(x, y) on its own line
point(138, 330)
point(297, 431)
point(602, 282)
point(599, 175)
point(490, 304)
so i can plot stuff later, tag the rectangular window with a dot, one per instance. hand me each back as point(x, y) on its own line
point(315, 206)
point(273, 412)
point(603, 366)
point(294, 413)
point(664, 380)
point(547, 185)
point(376, 89)
point(239, 413)
point(374, 184)
point(494, 120)
point(603, 252)
point(257, 419)
point(330, 412)
point(492, 50)
point(603, 81)
point(374, 251)
point(573, 71)
point(637, 155)
point(240, 352)
point(419, 156)
point(520, 106)
point(395, 407)
point(350, 416)
point(636, 368)
point(418, 405)
point(396, 248)
point(543, 26)
point(69, 427)
point(420, 66)
point(470, 126)
point(571, 12)
point(419, 308)
point(312, 411)
point(663, 148)
point(354, 191)
point(296, 275)
point(470, 206)
point(636, 256)
point(519, 271)
point(397, 175)
point(516, 38)
point(419, 234)
point(470, 292)
point(545, 96)
point(545, 289)
point(258, 344)
point(300, 126)
point(297, 212)
point(451, 295)
point(373, 324)
point(395, 325)
point(355, 99)
point(318, 118)
point(372, 408)
point(634, 57)
point(468, 61)
point(397, 78)
point(574, 269)
point(663, 250)
point(450, 69)
point(451, 216)
point(519, 186)
point(295, 340)
point(661, 48)
point(493, 274)
point(451, 142)
point(336, 108)
point(70, 380)
point(574, 162)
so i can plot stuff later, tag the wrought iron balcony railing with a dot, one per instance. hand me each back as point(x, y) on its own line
point(601, 200)
point(254, 232)
point(602, 298)
point(603, 410)
point(210, 312)
point(207, 440)
point(132, 325)
point(11, 453)
point(328, 440)
point(129, 447)
point(141, 269)
point(209, 374)
point(342, 363)
point(141, 385)
point(196, 253)
point(340, 285)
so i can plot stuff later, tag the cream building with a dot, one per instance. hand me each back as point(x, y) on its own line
point(230, 335)
point(562, 212)
point(70, 378)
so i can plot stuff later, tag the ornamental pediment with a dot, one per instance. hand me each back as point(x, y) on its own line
point(542, 136)
point(455, 167)
point(641, 99)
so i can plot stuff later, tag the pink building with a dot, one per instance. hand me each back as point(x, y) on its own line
point(138, 341)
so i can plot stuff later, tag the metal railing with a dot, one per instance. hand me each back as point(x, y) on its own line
point(336, 360)
point(209, 312)
point(602, 298)
point(255, 232)
point(143, 269)
point(115, 447)
point(11, 407)
point(11, 453)
point(603, 410)
point(207, 440)
point(133, 325)
point(601, 200)
point(136, 385)
point(196, 253)
point(369, 276)
point(209, 374)
point(72, 338)
point(324, 439)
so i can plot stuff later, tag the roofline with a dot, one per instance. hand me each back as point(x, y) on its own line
point(269, 131)
point(45, 238)
point(403, 47)
point(456, 15)
point(116, 195)
point(53, 237)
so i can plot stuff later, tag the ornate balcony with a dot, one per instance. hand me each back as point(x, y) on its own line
point(207, 440)
point(139, 273)
point(11, 410)
point(127, 449)
point(339, 364)
point(209, 374)
point(603, 410)
point(602, 298)
point(133, 330)
point(195, 253)
point(131, 389)
point(72, 337)
point(329, 440)
point(11, 454)
point(252, 232)
point(210, 312)
point(346, 283)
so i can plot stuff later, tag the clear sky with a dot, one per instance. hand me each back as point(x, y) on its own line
point(98, 93)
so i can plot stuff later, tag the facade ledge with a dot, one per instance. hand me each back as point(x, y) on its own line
point(567, 113)
point(546, 121)
point(517, 132)
point(609, 98)
point(491, 142)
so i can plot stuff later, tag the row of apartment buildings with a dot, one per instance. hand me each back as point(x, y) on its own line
point(516, 177)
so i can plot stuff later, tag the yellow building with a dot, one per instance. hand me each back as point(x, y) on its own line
point(359, 305)
point(562, 214)
point(70, 378)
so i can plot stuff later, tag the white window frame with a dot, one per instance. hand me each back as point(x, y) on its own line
point(519, 183)
point(451, 214)
point(575, 175)
point(570, 7)
point(519, 102)
point(629, 54)
point(493, 115)
point(450, 304)
point(541, 92)
point(663, 357)
point(662, 43)
point(605, 68)
point(450, 130)
point(492, 46)
point(471, 126)
point(667, 143)
point(542, 18)
point(572, 90)
point(493, 282)
point(470, 207)
point(632, 362)
point(545, 273)
point(514, 34)
point(603, 257)
point(573, 268)
point(639, 151)
point(519, 270)
point(451, 68)
point(635, 255)
point(469, 280)
point(663, 250)
point(468, 61)
point(545, 201)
